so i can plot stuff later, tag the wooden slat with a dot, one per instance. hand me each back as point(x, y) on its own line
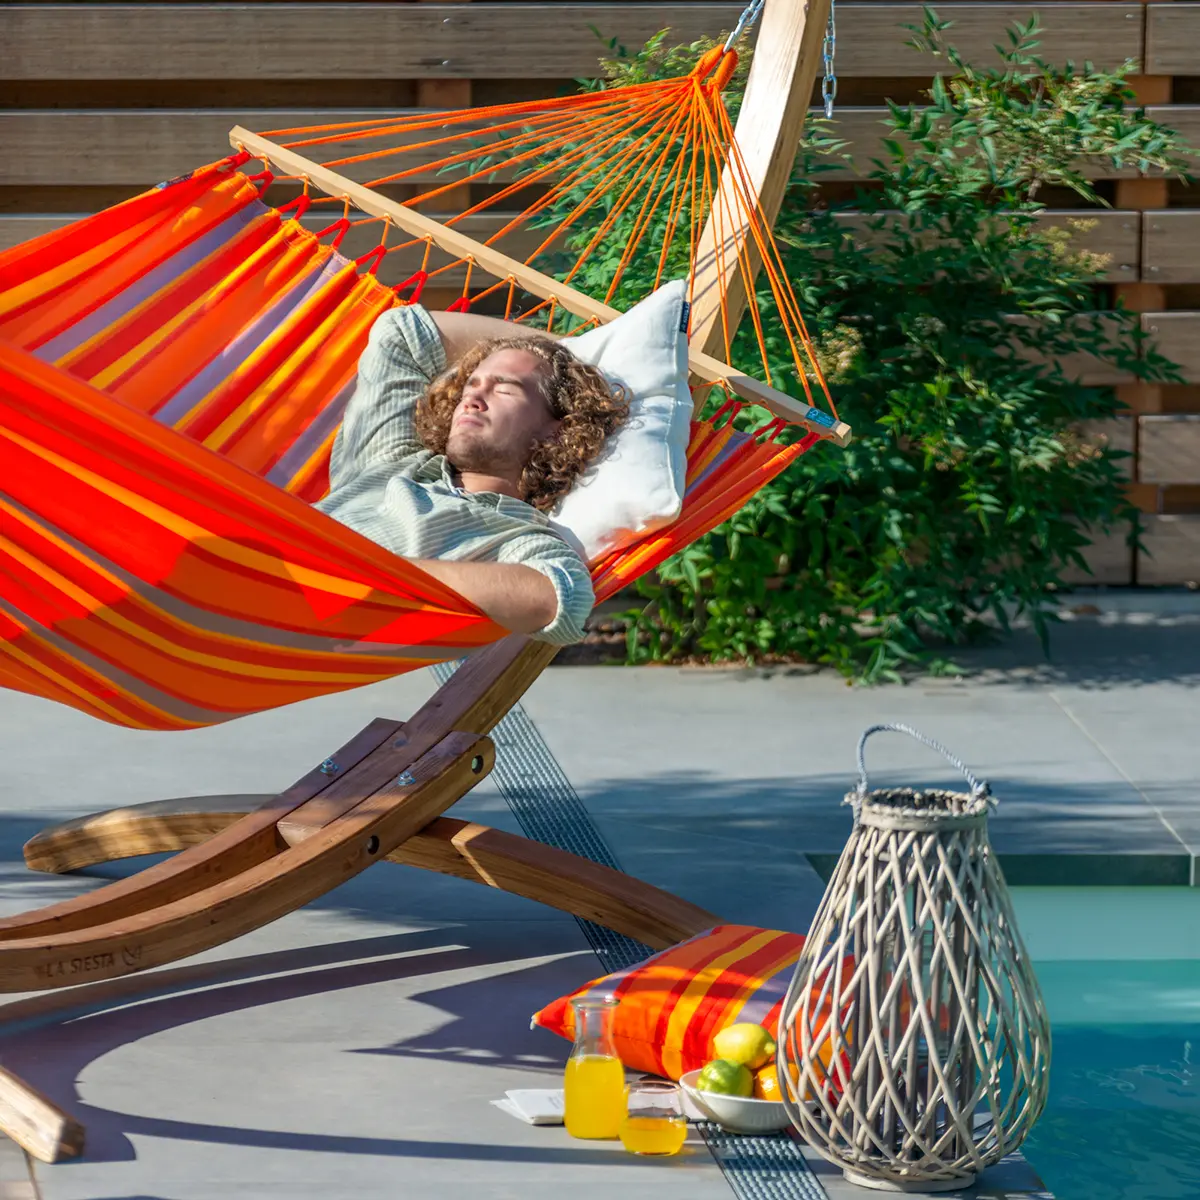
point(78, 147)
point(863, 129)
point(1172, 550)
point(1171, 246)
point(1115, 433)
point(260, 894)
point(1114, 235)
point(1173, 39)
point(1110, 558)
point(140, 147)
point(1183, 118)
point(486, 41)
point(1083, 366)
point(872, 38)
point(1169, 448)
point(1177, 335)
point(500, 266)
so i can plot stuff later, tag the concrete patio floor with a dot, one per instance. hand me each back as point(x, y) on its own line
point(352, 1048)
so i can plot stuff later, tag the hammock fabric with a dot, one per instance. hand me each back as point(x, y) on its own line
point(172, 374)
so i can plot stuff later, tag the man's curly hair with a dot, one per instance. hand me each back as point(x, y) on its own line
point(588, 406)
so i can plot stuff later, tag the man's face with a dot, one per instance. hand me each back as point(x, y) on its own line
point(501, 414)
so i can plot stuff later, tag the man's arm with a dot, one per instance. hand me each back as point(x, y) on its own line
point(514, 596)
point(539, 587)
point(403, 355)
point(462, 332)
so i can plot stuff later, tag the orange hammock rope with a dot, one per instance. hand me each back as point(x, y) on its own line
point(173, 370)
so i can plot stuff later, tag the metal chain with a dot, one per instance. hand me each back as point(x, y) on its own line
point(828, 48)
point(751, 14)
point(829, 81)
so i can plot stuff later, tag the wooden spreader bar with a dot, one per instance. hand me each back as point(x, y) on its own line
point(501, 266)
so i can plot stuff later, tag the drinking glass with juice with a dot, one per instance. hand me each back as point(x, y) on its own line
point(653, 1122)
point(594, 1080)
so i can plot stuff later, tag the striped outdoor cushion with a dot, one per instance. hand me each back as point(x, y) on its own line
point(673, 1003)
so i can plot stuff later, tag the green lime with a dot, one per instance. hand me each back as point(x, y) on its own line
point(728, 1078)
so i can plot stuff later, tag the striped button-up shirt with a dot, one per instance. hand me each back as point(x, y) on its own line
point(385, 485)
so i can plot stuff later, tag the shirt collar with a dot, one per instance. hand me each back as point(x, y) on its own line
point(439, 468)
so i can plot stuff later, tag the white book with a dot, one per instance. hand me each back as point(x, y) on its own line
point(534, 1106)
point(544, 1106)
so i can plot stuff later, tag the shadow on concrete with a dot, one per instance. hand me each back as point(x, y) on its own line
point(1088, 653)
point(806, 814)
point(50, 1039)
point(1084, 652)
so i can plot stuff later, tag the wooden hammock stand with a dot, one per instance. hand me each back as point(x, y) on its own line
point(382, 795)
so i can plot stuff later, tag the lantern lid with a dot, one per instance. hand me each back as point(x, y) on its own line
point(919, 808)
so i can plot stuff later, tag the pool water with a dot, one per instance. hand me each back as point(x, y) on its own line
point(1120, 973)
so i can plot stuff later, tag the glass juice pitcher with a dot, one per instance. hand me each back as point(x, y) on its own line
point(594, 1081)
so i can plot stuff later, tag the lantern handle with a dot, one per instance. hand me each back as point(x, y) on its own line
point(980, 788)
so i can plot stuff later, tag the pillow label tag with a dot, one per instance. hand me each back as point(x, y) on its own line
point(684, 314)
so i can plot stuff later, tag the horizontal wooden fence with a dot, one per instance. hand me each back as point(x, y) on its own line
point(99, 100)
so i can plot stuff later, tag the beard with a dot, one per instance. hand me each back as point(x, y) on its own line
point(473, 449)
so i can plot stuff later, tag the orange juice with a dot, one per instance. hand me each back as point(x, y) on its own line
point(653, 1135)
point(593, 1096)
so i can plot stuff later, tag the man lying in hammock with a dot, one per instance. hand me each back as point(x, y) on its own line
point(456, 468)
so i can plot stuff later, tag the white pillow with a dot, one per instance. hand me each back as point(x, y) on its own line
point(636, 483)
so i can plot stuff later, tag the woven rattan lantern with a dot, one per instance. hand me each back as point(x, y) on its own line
point(914, 1037)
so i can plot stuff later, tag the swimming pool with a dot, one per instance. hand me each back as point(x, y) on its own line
point(1120, 971)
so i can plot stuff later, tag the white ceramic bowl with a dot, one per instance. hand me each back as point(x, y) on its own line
point(736, 1114)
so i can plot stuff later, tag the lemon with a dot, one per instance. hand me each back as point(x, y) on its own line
point(750, 1045)
point(728, 1078)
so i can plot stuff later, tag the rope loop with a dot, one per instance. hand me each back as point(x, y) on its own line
point(375, 257)
point(266, 175)
point(980, 788)
point(417, 281)
point(724, 72)
point(708, 60)
point(730, 409)
point(342, 225)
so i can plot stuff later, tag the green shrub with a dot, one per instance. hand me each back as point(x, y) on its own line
point(968, 486)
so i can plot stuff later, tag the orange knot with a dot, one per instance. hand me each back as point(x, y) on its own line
point(725, 69)
point(707, 61)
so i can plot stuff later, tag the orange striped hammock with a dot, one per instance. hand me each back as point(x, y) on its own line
point(172, 375)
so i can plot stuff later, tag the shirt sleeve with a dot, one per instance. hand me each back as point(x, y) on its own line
point(551, 556)
point(404, 355)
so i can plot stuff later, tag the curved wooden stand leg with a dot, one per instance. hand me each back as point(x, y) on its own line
point(36, 1125)
point(159, 827)
point(466, 850)
point(451, 847)
point(557, 878)
point(375, 792)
